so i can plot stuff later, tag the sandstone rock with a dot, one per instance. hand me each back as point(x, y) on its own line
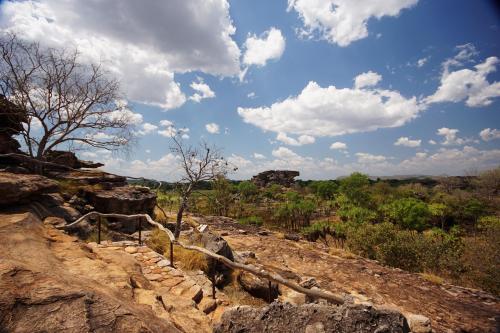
point(69, 159)
point(163, 263)
point(131, 249)
point(310, 318)
point(419, 323)
point(280, 177)
point(42, 293)
point(258, 287)
point(217, 244)
point(293, 297)
point(207, 305)
point(54, 221)
point(18, 188)
point(123, 200)
point(89, 177)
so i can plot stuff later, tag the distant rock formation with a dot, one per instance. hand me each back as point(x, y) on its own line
point(280, 177)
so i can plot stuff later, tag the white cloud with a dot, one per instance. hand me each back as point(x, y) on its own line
point(258, 156)
point(489, 134)
point(366, 158)
point(467, 84)
point(342, 21)
point(422, 61)
point(166, 123)
point(170, 130)
point(301, 140)
point(450, 137)
point(331, 111)
point(147, 128)
point(432, 142)
point(284, 153)
point(407, 142)
point(251, 95)
point(203, 91)
point(138, 41)
point(368, 79)
point(338, 145)
point(212, 128)
point(269, 46)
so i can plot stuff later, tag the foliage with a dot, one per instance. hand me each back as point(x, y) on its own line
point(355, 187)
point(325, 189)
point(254, 220)
point(221, 198)
point(248, 190)
point(409, 213)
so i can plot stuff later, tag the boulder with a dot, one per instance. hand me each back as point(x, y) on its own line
point(258, 287)
point(281, 177)
point(69, 159)
point(284, 317)
point(217, 244)
point(122, 200)
point(11, 123)
point(292, 237)
point(419, 323)
point(20, 188)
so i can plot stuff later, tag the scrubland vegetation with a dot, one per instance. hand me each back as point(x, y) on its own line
point(447, 227)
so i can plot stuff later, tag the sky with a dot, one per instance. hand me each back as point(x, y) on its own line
point(324, 87)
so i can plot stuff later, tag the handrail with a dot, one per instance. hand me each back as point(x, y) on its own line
point(275, 277)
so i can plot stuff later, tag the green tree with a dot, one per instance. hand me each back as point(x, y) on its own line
point(248, 190)
point(325, 189)
point(355, 187)
point(439, 211)
point(409, 213)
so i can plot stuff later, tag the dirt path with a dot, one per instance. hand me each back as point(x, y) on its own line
point(450, 308)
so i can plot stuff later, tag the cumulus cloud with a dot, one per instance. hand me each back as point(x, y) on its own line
point(301, 140)
point(467, 84)
point(489, 134)
point(343, 22)
point(212, 128)
point(422, 61)
point(259, 50)
point(407, 142)
point(338, 145)
point(169, 130)
point(202, 89)
point(137, 41)
point(366, 158)
point(450, 137)
point(368, 79)
point(258, 156)
point(332, 111)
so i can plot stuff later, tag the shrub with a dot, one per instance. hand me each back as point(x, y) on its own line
point(409, 213)
point(254, 220)
point(354, 188)
point(190, 260)
point(158, 241)
point(356, 214)
point(247, 190)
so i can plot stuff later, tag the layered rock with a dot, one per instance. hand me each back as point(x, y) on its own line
point(20, 188)
point(281, 177)
point(122, 200)
point(310, 318)
point(69, 159)
point(218, 245)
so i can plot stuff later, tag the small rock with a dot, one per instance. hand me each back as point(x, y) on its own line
point(292, 237)
point(243, 232)
point(153, 277)
point(263, 233)
point(308, 282)
point(224, 233)
point(207, 305)
point(419, 323)
point(202, 227)
point(131, 249)
point(163, 263)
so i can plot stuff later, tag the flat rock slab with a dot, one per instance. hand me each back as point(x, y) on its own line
point(19, 187)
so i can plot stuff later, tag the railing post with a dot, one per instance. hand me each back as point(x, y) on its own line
point(171, 254)
point(140, 230)
point(99, 229)
point(270, 292)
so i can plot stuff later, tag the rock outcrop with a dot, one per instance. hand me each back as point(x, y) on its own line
point(310, 318)
point(20, 188)
point(122, 200)
point(281, 177)
point(49, 284)
point(217, 244)
point(69, 159)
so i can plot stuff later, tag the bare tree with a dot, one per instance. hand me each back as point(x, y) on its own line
point(199, 163)
point(65, 102)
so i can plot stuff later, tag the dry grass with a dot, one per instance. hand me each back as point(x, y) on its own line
point(432, 278)
point(158, 241)
point(190, 260)
point(335, 251)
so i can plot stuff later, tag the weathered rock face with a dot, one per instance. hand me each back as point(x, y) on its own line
point(89, 178)
point(40, 292)
point(280, 177)
point(218, 245)
point(69, 159)
point(310, 318)
point(18, 188)
point(258, 287)
point(122, 200)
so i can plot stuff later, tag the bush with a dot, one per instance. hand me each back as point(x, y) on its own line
point(158, 241)
point(247, 190)
point(251, 220)
point(356, 214)
point(409, 213)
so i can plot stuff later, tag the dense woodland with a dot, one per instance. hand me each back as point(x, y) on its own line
point(447, 228)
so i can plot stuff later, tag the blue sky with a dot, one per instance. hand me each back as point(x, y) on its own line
point(431, 73)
